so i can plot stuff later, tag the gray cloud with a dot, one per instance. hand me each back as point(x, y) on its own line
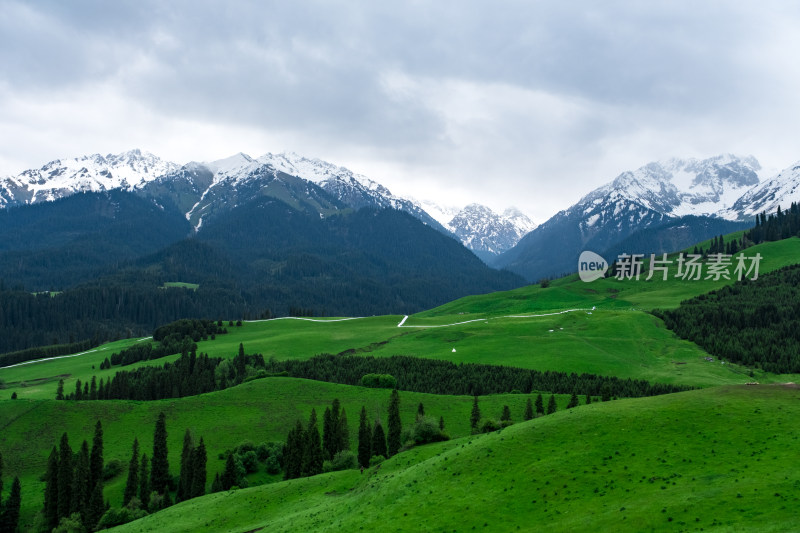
point(513, 102)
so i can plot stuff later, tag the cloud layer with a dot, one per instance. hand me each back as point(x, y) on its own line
point(525, 103)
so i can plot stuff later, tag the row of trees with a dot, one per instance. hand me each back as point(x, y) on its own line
point(755, 323)
point(41, 352)
point(445, 377)
point(9, 509)
point(781, 225)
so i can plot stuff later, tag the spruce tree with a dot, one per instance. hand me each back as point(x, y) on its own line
point(441, 423)
point(420, 411)
point(229, 475)
point(327, 434)
point(96, 507)
point(80, 482)
point(395, 426)
point(505, 416)
point(364, 439)
point(159, 467)
point(9, 515)
point(336, 443)
point(93, 389)
point(96, 462)
point(199, 459)
point(64, 477)
point(293, 452)
point(216, 485)
point(312, 458)
point(78, 391)
point(539, 405)
point(528, 410)
point(1, 481)
point(60, 390)
point(551, 405)
point(51, 490)
point(344, 432)
point(475, 416)
point(144, 482)
point(588, 399)
point(132, 483)
point(185, 479)
point(378, 440)
point(573, 400)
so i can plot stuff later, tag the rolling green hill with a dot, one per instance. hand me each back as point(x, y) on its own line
point(260, 411)
point(710, 460)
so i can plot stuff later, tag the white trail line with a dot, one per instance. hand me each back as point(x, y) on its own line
point(61, 356)
point(307, 319)
point(402, 322)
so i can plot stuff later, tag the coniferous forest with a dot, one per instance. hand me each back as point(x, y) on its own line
point(754, 323)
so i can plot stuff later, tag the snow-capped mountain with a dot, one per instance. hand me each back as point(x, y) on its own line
point(649, 196)
point(485, 232)
point(781, 190)
point(93, 173)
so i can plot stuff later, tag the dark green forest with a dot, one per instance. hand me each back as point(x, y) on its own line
point(755, 323)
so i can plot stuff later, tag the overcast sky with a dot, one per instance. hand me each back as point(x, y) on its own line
point(525, 103)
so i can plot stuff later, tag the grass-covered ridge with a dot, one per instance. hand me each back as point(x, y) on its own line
point(716, 460)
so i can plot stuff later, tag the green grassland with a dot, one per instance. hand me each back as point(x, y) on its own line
point(618, 338)
point(709, 460)
point(259, 411)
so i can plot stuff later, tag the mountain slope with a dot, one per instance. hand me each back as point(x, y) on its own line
point(779, 191)
point(93, 173)
point(649, 196)
point(487, 233)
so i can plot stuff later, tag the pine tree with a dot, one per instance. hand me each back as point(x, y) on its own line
point(378, 440)
point(364, 439)
point(335, 440)
point(159, 468)
point(216, 485)
point(441, 423)
point(199, 459)
point(539, 405)
point(475, 416)
point(96, 461)
point(9, 517)
point(506, 415)
point(312, 457)
point(573, 400)
point(60, 390)
point(96, 507)
point(551, 405)
point(78, 391)
point(229, 476)
point(395, 426)
point(344, 432)
point(51, 490)
point(293, 452)
point(185, 479)
point(420, 411)
point(132, 483)
point(144, 482)
point(93, 389)
point(64, 477)
point(327, 434)
point(80, 482)
point(528, 410)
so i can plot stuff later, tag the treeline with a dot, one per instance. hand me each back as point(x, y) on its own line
point(193, 374)
point(754, 323)
point(9, 508)
point(107, 313)
point(189, 375)
point(42, 352)
point(445, 377)
point(176, 337)
point(781, 225)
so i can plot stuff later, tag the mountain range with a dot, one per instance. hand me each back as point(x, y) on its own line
point(669, 205)
point(686, 198)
